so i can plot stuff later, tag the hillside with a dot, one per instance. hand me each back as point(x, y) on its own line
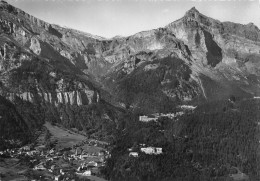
point(218, 141)
point(42, 83)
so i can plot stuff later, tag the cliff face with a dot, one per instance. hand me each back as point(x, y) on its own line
point(214, 39)
point(61, 70)
point(21, 64)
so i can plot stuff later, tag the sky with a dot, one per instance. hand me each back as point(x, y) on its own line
point(109, 18)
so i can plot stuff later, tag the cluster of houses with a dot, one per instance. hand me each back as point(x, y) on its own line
point(156, 116)
point(188, 107)
point(134, 152)
point(49, 161)
point(89, 168)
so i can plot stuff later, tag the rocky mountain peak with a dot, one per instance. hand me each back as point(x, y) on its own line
point(192, 13)
point(192, 10)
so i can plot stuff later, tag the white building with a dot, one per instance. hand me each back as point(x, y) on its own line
point(146, 119)
point(188, 107)
point(26, 148)
point(39, 167)
point(87, 173)
point(152, 150)
point(93, 163)
point(134, 154)
point(57, 178)
point(61, 172)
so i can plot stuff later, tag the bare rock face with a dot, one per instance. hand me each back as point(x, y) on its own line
point(213, 38)
point(195, 30)
point(9, 57)
point(79, 98)
point(35, 46)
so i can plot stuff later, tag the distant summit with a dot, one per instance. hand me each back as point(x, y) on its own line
point(193, 12)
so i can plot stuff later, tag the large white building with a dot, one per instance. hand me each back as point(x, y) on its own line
point(134, 154)
point(146, 119)
point(152, 150)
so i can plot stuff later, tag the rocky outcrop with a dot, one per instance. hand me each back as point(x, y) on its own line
point(9, 56)
point(78, 98)
point(35, 46)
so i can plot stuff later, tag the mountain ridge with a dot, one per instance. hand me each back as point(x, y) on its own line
point(192, 60)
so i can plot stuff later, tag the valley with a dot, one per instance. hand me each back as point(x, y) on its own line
point(71, 156)
point(179, 102)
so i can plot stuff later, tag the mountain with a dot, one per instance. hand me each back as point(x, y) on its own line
point(85, 81)
point(43, 76)
point(193, 60)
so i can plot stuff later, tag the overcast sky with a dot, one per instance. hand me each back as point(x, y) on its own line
point(109, 18)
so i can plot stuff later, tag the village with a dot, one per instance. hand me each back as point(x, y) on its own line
point(63, 164)
point(71, 156)
point(154, 117)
